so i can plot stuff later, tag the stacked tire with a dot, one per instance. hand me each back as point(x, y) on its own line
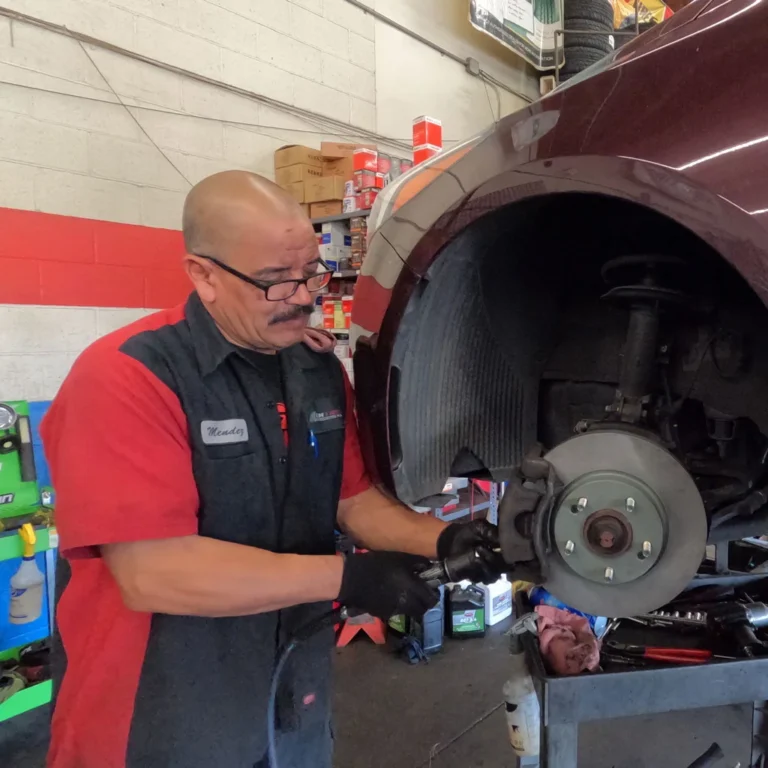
point(584, 50)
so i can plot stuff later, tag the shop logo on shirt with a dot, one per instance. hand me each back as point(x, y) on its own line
point(222, 432)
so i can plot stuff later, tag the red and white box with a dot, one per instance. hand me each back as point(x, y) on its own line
point(422, 153)
point(365, 160)
point(365, 200)
point(427, 130)
point(365, 180)
point(349, 204)
point(381, 180)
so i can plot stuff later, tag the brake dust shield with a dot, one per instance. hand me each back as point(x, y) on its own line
point(627, 533)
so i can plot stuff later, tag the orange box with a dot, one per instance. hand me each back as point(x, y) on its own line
point(427, 130)
point(346, 304)
point(328, 306)
point(328, 321)
point(366, 160)
point(424, 152)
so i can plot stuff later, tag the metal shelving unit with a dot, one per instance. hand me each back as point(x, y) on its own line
point(340, 217)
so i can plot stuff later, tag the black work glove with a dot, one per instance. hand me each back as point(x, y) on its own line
point(386, 583)
point(460, 538)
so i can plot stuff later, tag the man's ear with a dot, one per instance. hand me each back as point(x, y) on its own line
point(201, 276)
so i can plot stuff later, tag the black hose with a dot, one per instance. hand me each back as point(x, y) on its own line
point(302, 634)
point(710, 758)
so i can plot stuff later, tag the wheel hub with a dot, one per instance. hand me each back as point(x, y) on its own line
point(628, 531)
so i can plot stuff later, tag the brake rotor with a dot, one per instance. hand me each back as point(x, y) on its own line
point(629, 529)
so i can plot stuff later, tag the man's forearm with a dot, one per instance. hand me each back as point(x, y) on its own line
point(198, 576)
point(375, 521)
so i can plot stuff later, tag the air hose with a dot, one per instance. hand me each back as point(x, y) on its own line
point(441, 572)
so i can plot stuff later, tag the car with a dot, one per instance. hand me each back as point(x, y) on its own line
point(574, 303)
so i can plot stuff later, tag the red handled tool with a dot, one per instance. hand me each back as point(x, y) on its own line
point(668, 655)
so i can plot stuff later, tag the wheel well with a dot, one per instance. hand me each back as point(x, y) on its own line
point(496, 310)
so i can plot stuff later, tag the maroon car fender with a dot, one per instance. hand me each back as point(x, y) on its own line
point(676, 122)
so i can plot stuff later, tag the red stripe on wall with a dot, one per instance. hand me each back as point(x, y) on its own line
point(50, 259)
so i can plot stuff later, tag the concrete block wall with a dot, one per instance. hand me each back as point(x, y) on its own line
point(92, 137)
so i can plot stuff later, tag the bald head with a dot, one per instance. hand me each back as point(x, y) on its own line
point(219, 209)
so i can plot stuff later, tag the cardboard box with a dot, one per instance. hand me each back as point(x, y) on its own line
point(296, 191)
point(328, 208)
point(293, 154)
point(366, 160)
point(424, 152)
point(292, 174)
point(324, 188)
point(332, 149)
point(340, 166)
point(427, 130)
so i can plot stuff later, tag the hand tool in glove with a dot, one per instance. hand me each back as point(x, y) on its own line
point(386, 583)
point(479, 535)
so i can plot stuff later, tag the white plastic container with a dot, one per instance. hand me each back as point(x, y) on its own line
point(522, 705)
point(26, 583)
point(498, 601)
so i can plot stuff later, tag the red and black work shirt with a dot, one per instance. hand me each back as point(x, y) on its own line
point(119, 440)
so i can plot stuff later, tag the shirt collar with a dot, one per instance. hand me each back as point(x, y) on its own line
point(212, 349)
point(210, 345)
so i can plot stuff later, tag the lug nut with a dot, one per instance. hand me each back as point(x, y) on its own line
point(581, 505)
point(630, 504)
point(608, 573)
point(569, 547)
point(647, 549)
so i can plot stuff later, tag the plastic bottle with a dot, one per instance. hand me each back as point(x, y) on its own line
point(522, 704)
point(498, 600)
point(27, 583)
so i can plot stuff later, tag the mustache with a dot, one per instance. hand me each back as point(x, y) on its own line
point(285, 317)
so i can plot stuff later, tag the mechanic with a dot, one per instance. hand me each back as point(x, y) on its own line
point(202, 458)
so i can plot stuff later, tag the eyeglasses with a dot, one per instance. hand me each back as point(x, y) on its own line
point(281, 289)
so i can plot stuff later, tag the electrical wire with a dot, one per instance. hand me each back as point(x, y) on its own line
point(176, 113)
point(334, 127)
point(133, 117)
point(435, 47)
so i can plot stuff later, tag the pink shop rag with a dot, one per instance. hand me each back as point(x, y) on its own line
point(566, 641)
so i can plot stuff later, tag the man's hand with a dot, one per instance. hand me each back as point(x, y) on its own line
point(459, 538)
point(386, 583)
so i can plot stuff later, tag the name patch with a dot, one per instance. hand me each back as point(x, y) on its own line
point(222, 432)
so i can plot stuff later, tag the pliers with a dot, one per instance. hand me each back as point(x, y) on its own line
point(668, 655)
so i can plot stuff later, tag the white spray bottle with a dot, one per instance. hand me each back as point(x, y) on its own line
point(27, 582)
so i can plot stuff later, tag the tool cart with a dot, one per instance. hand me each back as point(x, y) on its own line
point(26, 528)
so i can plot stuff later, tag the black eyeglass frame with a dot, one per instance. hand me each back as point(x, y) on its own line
point(265, 286)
